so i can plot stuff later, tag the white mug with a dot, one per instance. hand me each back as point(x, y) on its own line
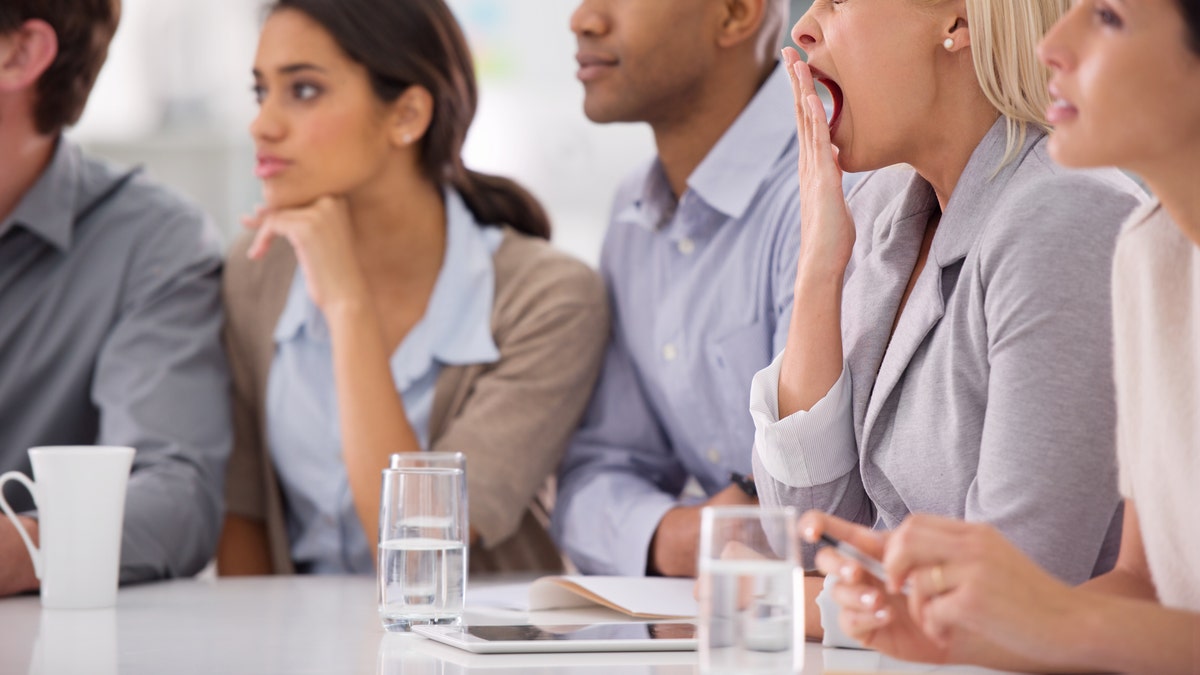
point(80, 497)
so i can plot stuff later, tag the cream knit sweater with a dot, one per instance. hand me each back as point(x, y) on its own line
point(1156, 308)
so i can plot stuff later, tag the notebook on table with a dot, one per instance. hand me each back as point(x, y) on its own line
point(638, 597)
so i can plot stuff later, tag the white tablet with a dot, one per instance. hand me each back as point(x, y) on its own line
point(645, 636)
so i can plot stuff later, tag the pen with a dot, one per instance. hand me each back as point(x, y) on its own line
point(871, 565)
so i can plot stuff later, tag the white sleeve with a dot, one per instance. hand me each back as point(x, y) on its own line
point(807, 448)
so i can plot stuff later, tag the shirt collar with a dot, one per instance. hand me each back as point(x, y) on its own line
point(730, 175)
point(655, 203)
point(48, 209)
point(981, 184)
point(457, 326)
point(460, 308)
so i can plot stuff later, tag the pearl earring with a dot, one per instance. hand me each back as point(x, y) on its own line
point(948, 44)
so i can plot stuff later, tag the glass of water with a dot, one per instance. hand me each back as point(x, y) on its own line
point(751, 590)
point(448, 460)
point(422, 546)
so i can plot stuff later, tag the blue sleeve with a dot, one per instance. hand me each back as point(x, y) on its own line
point(620, 474)
point(619, 477)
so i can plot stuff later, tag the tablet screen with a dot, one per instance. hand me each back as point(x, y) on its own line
point(601, 631)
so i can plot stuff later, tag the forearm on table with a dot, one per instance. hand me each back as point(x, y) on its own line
point(374, 423)
point(606, 535)
point(1136, 636)
point(172, 522)
point(1106, 633)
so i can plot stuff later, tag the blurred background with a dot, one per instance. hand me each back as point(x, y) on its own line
point(175, 97)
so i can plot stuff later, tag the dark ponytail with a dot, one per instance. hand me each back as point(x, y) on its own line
point(495, 199)
point(403, 43)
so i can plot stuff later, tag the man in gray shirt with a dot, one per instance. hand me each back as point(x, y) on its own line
point(109, 306)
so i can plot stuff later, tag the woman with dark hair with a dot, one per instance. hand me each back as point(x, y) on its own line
point(411, 305)
point(1125, 91)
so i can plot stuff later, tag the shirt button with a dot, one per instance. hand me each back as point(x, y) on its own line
point(670, 352)
point(713, 455)
point(686, 246)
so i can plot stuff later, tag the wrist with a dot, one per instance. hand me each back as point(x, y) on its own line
point(1086, 624)
point(350, 311)
point(814, 271)
point(669, 548)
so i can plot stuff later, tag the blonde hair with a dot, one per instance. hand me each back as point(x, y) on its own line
point(1004, 39)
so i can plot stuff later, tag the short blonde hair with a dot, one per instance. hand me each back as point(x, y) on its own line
point(1004, 40)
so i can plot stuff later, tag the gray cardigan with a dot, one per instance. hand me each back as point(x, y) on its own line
point(994, 400)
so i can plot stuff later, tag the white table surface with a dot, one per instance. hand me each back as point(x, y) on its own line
point(309, 625)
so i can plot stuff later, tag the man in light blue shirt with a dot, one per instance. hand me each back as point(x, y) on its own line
point(699, 260)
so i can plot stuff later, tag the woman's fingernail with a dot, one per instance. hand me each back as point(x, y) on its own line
point(868, 598)
point(845, 571)
point(810, 533)
point(882, 614)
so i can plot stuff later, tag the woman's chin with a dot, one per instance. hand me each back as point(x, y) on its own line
point(277, 198)
point(1067, 153)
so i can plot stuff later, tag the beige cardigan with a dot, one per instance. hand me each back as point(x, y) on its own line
point(512, 419)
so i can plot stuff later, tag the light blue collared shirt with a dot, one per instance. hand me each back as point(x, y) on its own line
point(701, 291)
point(302, 416)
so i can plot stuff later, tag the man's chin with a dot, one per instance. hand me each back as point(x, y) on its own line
point(606, 112)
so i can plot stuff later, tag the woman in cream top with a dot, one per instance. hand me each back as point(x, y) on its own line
point(1126, 88)
point(405, 304)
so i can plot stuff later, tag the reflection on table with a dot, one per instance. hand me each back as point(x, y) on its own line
point(310, 625)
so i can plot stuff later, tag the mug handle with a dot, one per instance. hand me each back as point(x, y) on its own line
point(34, 552)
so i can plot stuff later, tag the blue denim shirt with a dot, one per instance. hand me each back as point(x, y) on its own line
point(701, 293)
point(302, 415)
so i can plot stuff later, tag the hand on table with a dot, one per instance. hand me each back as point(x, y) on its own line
point(969, 590)
point(16, 568)
point(677, 539)
point(870, 613)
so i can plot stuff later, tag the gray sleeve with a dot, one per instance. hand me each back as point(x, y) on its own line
point(844, 497)
point(808, 460)
point(1047, 466)
point(161, 385)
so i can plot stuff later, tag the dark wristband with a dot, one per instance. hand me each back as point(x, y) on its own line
point(746, 483)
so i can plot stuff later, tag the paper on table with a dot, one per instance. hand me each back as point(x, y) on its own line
point(513, 596)
point(640, 597)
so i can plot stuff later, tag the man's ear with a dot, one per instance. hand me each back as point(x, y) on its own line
point(25, 54)
point(742, 20)
point(411, 115)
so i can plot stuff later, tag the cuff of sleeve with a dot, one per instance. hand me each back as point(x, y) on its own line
point(807, 448)
point(641, 533)
point(834, 637)
point(615, 540)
